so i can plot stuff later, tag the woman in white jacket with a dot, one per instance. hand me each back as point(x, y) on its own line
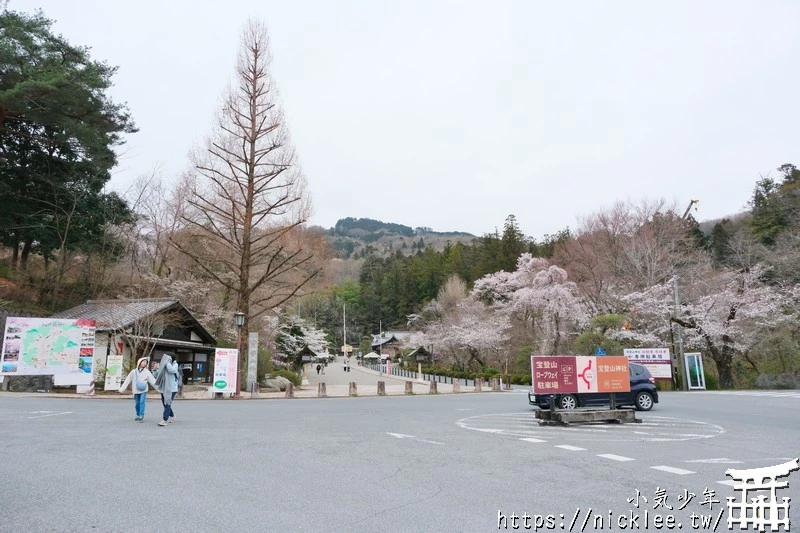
point(139, 378)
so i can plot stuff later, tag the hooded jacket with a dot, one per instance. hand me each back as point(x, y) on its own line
point(138, 375)
point(167, 381)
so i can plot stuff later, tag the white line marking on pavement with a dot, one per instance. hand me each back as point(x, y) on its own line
point(716, 461)
point(465, 409)
point(570, 448)
point(615, 457)
point(402, 436)
point(728, 482)
point(673, 470)
point(529, 439)
point(51, 414)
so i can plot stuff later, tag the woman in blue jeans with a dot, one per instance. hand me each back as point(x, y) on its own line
point(139, 378)
point(167, 385)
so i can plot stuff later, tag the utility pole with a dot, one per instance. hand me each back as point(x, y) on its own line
point(678, 328)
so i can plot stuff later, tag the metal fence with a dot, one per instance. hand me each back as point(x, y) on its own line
point(405, 373)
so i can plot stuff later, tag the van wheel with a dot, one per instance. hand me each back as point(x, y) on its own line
point(644, 401)
point(568, 401)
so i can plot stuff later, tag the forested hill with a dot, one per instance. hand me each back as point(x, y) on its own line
point(356, 237)
point(355, 226)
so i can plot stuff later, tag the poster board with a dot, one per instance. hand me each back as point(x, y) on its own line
point(569, 374)
point(47, 346)
point(114, 373)
point(656, 360)
point(226, 364)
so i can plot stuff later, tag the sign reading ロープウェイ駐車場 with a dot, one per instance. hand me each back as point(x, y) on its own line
point(47, 346)
point(569, 374)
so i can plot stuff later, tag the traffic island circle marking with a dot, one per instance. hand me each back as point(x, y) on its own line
point(652, 429)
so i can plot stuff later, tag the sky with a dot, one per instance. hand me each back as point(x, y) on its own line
point(456, 114)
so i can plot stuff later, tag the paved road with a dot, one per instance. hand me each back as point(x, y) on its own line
point(421, 463)
point(337, 381)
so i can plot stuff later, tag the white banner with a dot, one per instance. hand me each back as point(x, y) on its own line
point(647, 355)
point(226, 363)
point(114, 373)
point(658, 370)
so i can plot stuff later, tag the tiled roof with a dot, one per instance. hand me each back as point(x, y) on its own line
point(117, 314)
point(390, 336)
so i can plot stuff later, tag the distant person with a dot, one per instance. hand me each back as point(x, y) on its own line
point(139, 378)
point(167, 384)
point(319, 367)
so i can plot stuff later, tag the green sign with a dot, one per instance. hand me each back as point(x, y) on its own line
point(220, 384)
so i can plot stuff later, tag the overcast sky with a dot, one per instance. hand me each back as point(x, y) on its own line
point(456, 114)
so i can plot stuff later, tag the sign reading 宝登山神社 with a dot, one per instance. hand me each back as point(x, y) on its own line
point(226, 363)
point(569, 374)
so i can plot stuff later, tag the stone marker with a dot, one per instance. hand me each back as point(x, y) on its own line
point(381, 388)
point(353, 389)
point(456, 385)
point(290, 390)
point(495, 383)
point(321, 391)
point(433, 388)
point(478, 385)
point(409, 387)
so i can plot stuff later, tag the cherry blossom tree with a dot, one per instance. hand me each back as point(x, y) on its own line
point(462, 328)
point(537, 295)
point(295, 333)
point(732, 313)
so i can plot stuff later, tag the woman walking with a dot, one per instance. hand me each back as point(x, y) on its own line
point(167, 385)
point(139, 378)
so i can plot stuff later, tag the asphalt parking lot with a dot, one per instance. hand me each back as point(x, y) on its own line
point(468, 462)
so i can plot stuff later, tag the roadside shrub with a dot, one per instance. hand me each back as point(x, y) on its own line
point(777, 381)
point(712, 383)
point(294, 377)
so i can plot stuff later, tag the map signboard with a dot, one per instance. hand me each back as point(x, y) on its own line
point(47, 346)
point(226, 363)
point(656, 360)
point(113, 372)
point(568, 374)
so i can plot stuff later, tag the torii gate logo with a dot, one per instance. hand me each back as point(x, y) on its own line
point(758, 511)
point(587, 375)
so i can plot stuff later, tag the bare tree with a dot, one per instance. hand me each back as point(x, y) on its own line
point(250, 200)
point(162, 209)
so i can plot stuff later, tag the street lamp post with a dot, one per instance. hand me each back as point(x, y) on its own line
point(239, 318)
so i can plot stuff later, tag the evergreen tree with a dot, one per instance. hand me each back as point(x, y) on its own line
point(58, 130)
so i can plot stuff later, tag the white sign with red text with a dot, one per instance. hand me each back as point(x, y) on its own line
point(226, 363)
point(656, 360)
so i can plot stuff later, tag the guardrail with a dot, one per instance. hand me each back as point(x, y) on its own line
point(405, 373)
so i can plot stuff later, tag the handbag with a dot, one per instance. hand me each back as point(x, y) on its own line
point(141, 386)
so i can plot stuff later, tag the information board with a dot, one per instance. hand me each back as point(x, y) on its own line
point(114, 373)
point(226, 363)
point(570, 374)
point(47, 346)
point(656, 360)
